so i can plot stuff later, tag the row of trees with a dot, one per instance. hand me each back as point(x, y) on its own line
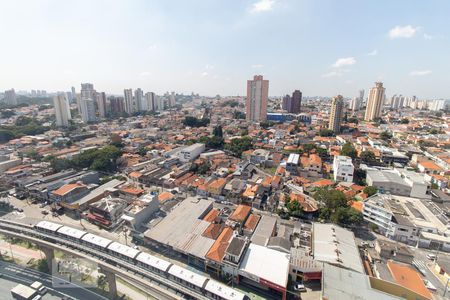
point(195, 122)
point(102, 159)
point(335, 208)
point(23, 126)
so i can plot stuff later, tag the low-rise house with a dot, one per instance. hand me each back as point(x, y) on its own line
point(69, 193)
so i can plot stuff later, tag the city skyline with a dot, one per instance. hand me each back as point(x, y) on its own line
point(189, 47)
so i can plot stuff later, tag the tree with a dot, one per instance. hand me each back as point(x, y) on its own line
point(367, 157)
point(59, 164)
point(237, 114)
point(385, 136)
point(217, 131)
point(349, 150)
point(404, 121)
point(203, 168)
point(237, 146)
point(370, 190)
point(353, 120)
point(195, 122)
point(266, 124)
point(326, 132)
point(7, 113)
point(142, 151)
point(294, 208)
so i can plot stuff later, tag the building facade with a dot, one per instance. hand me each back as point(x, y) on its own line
point(343, 168)
point(101, 104)
point(62, 110)
point(257, 95)
point(375, 101)
point(337, 111)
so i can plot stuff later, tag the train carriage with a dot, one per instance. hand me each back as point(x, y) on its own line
point(153, 263)
point(123, 251)
point(188, 278)
point(95, 241)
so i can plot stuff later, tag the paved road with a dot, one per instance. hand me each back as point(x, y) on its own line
point(27, 276)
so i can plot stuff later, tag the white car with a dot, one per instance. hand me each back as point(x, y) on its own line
point(300, 287)
point(429, 285)
point(431, 256)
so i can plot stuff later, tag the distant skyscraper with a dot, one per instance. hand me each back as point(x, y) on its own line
point(361, 96)
point(286, 102)
point(88, 110)
point(62, 110)
point(355, 104)
point(295, 103)
point(375, 101)
point(117, 105)
point(150, 101)
point(337, 111)
point(101, 104)
point(257, 95)
point(74, 93)
point(87, 94)
point(139, 99)
point(10, 97)
point(130, 104)
point(161, 104)
point(172, 99)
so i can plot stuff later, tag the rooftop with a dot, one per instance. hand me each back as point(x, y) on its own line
point(336, 245)
point(276, 272)
point(183, 227)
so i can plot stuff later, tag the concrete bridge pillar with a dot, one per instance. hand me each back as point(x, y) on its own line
point(111, 279)
point(49, 255)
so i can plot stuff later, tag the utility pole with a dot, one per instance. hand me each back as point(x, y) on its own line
point(445, 288)
point(10, 248)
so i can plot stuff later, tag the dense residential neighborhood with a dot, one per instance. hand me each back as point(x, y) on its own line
point(188, 177)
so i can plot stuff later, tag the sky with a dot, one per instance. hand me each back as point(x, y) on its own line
point(322, 47)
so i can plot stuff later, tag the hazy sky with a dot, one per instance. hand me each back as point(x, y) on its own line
point(322, 47)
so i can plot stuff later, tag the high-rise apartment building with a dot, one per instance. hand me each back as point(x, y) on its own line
point(337, 111)
point(172, 99)
point(130, 104)
point(139, 100)
point(88, 110)
point(375, 101)
point(101, 104)
point(257, 95)
point(62, 110)
point(74, 94)
point(286, 102)
point(87, 95)
point(296, 102)
point(10, 97)
point(150, 101)
point(117, 105)
point(357, 102)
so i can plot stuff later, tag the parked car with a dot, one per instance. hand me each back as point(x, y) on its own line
point(431, 256)
point(299, 287)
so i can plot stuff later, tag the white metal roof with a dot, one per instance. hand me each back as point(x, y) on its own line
point(48, 225)
point(123, 249)
point(223, 291)
point(153, 261)
point(293, 158)
point(96, 240)
point(72, 232)
point(277, 271)
point(189, 276)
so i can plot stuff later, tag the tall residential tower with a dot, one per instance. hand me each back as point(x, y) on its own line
point(337, 111)
point(375, 101)
point(257, 95)
point(62, 110)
